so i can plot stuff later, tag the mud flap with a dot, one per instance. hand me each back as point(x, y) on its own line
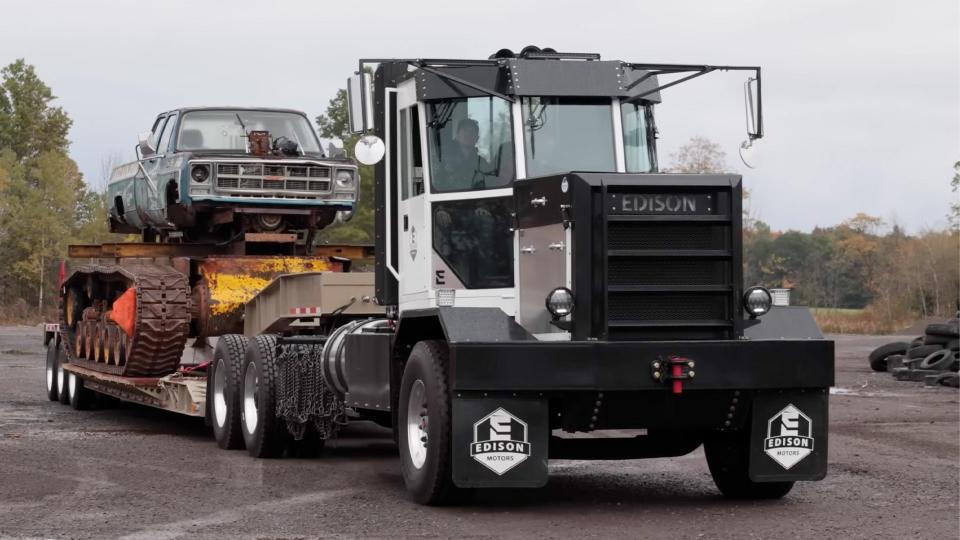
point(500, 442)
point(788, 436)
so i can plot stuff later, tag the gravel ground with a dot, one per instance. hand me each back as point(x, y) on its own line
point(134, 472)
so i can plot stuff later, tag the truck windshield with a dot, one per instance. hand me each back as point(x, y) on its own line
point(471, 144)
point(226, 130)
point(563, 134)
point(639, 154)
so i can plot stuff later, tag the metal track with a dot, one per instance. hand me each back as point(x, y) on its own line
point(162, 319)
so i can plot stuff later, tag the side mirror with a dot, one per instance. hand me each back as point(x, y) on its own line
point(145, 144)
point(360, 103)
point(753, 104)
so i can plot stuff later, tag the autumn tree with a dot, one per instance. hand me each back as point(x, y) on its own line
point(699, 156)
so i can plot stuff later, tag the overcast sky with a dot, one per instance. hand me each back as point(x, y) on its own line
point(861, 99)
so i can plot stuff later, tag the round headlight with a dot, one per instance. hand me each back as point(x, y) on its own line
point(757, 301)
point(560, 302)
point(200, 173)
point(344, 178)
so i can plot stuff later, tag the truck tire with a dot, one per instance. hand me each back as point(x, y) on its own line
point(936, 339)
point(728, 457)
point(264, 434)
point(939, 360)
point(878, 358)
point(53, 360)
point(81, 398)
point(923, 351)
point(63, 394)
point(223, 391)
point(425, 425)
point(949, 329)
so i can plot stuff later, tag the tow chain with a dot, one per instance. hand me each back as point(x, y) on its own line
point(303, 395)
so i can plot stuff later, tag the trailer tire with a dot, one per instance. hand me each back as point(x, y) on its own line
point(50, 372)
point(81, 397)
point(223, 391)
point(728, 457)
point(264, 433)
point(878, 358)
point(425, 454)
point(63, 394)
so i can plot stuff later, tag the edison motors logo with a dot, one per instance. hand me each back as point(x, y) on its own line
point(789, 437)
point(500, 441)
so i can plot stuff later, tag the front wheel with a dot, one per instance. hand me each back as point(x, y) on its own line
point(728, 457)
point(424, 425)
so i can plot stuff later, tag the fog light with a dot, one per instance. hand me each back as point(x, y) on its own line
point(757, 301)
point(560, 302)
point(200, 173)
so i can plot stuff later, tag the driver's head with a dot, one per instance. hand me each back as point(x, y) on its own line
point(468, 133)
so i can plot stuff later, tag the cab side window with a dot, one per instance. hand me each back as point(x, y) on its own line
point(165, 135)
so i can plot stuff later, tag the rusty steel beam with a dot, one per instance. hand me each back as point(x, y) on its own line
point(277, 238)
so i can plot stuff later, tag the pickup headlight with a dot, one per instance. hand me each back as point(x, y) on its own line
point(560, 302)
point(200, 173)
point(757, 301)
point(344, 178)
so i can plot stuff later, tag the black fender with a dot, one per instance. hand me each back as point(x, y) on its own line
point(457, 325)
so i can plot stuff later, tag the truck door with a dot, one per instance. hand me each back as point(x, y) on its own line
point(412, 227)
point(149, 203)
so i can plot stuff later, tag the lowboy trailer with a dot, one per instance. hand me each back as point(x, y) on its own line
point(538, 284)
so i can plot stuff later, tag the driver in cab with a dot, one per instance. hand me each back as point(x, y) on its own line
point(463, 168)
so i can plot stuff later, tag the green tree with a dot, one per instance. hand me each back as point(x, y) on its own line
point(359, 230)
point(955, 203)
point(29, 124)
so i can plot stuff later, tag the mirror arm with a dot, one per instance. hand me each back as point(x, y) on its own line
point(454, 78)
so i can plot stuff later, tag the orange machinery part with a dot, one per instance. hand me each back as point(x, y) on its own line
point(124, 311)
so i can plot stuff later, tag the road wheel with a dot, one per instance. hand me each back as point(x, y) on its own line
point(728, 456)
point(425, 425)
point(264, 434)
point(53, 360)
point(80, 397)
point(878, 358)
point(223, 391)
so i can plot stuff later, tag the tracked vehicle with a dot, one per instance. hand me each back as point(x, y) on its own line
point(541, 291)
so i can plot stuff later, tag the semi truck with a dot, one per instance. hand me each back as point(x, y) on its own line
point(540, 290)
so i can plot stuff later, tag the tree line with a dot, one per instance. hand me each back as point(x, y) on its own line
point(45, 205)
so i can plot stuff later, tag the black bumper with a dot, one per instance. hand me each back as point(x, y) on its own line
point(599, 365)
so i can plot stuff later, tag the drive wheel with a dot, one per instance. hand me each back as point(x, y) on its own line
point(223, 391)
point(80, 397)
point(728, 456)
point(425, 425)
point(264, 434)
point(53, 361)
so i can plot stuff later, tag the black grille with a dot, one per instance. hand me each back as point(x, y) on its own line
point(671, 276)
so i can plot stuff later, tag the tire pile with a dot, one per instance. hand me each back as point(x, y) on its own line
point(932, 358)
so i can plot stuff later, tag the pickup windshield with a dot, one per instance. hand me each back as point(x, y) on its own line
point(226, 130)
point(563, 134)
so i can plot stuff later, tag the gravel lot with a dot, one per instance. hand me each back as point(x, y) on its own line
point(135, 472)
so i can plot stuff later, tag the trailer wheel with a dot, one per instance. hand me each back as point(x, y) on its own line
point(80, 397)
point(223, 391)
point(63, 393)
point(728, 457)
point(263, 432)
point(51, 371)
point(425, 425)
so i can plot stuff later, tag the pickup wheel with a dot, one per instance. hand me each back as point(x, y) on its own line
point(81, 398)
point(223, 391)
point(264, 434)
point(728, 456)
point(53, 361)
point(425, 424)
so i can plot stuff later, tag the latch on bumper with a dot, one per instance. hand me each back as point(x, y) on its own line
point(674, 369)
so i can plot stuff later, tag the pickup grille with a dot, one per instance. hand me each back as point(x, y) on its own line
point(273, 180)
point(670, 276)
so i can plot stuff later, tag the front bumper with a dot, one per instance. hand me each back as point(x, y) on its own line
point(603, 365)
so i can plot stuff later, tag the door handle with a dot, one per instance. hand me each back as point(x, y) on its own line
point(406, 223)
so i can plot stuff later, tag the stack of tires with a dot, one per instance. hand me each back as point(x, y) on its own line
point(932, 358)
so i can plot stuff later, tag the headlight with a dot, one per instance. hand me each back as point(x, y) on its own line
point(560, 302)
point(344, 178)
point(757, 301)
point(200, 173)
